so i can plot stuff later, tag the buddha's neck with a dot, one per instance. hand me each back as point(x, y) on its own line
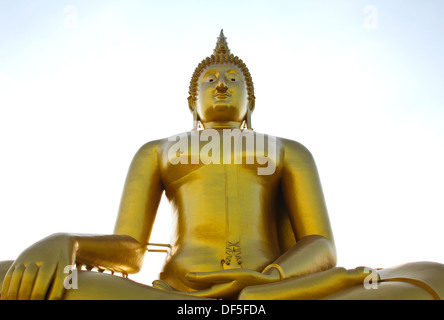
point(222, 125)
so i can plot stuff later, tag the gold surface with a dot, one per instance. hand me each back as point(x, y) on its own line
point(252, 222)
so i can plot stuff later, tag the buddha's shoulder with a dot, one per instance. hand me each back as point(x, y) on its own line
point(292, 148)
point(288, 146)
point(159, 145)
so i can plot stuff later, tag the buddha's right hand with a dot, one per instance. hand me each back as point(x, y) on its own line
point(38, 272)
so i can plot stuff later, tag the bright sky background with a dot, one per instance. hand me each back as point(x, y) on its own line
point(83, 84)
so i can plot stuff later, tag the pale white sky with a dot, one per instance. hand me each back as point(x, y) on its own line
point(83, 84)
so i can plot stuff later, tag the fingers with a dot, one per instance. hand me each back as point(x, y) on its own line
point(58, 286)
point(217, 276)
point(66, 262)
point(207, 277)
point(27, 282)
point(42, 282)
point(14, 284)
point(31, 282)
point(222, 290)
point(6, 284)
point(19, 282)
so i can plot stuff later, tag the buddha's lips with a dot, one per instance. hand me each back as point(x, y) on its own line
point(222, 96)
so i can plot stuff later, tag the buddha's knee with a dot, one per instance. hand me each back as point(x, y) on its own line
point(429, 275)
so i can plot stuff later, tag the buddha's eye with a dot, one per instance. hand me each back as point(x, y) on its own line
point(233, 77)
point(211, 79)
point(211, 76)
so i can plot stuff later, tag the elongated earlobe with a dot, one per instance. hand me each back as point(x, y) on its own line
point(193, 109)
point(195, 120)
point(250, 109)
point(248, 120)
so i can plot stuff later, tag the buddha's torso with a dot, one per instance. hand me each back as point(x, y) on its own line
point(225, 212)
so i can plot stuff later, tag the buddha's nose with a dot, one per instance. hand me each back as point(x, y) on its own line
point(222, 87)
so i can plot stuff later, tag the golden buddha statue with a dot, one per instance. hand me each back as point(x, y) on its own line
point(252, 222)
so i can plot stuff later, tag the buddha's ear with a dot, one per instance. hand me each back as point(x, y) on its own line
point(251, 104)
point(192, 103)
point(193, 108)
point(250, 108)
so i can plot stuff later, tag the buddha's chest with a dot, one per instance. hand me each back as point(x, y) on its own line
point(222, 154)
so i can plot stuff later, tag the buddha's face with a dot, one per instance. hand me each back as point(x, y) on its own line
point(222, 94)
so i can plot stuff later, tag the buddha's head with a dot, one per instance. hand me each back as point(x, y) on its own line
point(221, 89)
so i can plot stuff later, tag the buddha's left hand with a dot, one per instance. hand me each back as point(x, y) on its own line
point(229, 283)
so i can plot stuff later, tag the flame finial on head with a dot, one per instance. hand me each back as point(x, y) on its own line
point(221, 45)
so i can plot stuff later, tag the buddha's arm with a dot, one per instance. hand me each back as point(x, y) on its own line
point(314, 250)
point(124, 250)
point(119, 253)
